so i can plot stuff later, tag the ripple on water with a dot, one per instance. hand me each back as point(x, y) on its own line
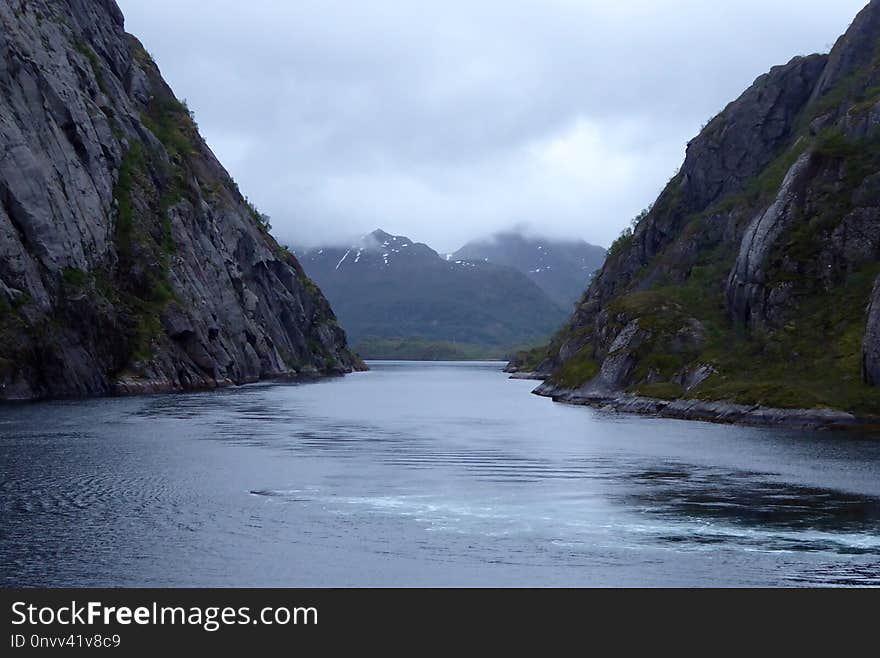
point(336, 485)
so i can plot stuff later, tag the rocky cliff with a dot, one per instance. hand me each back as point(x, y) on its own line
point(129, 260)
point(752, 278)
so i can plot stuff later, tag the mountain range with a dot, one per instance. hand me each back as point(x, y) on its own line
point(561, 268)
point(398, 297)
point(752, 283)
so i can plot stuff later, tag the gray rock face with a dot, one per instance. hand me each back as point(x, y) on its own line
point(745, 288)
point(740, 142)
point(625, 338)
point(854, 51)
point(871, 352)
point(767, 239)
point(129, 261)
point(733, 148)
point(690, 378)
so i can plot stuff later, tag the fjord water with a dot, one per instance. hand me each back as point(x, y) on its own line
point(422, 474)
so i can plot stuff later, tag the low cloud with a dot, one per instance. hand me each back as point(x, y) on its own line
point(447, 121)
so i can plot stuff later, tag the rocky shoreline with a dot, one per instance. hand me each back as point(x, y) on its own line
point(530, 376)
point(727, 413)
point(134, 387)
point(126, 387)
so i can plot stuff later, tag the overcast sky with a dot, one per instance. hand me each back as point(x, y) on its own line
point(449, 120)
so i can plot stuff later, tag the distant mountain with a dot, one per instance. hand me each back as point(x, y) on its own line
point(390, 287)
point(561, 268)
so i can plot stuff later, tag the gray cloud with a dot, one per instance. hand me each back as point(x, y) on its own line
point(448, 120)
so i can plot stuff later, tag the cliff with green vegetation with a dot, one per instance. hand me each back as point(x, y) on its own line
point(752, 282)
point(129, 260)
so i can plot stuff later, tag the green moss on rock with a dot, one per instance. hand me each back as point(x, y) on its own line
point(662, 391)
point(578, 370)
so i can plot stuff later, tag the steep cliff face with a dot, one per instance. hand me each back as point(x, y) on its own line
point(129, 261)
point(751, 277)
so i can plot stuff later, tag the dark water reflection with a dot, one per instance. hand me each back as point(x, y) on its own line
point(418, 474)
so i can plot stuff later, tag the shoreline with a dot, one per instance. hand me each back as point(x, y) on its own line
point(723, 413)
point(134, 388)
point(527, 376)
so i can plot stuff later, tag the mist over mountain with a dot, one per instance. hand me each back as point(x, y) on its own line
point(448, 120)
point(387, 286)
point(561, 268)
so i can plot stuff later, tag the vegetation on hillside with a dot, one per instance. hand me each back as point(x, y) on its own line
point(812, 356)
point(421, 349)
point(422, 295)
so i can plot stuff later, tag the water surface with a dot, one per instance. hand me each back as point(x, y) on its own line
point(422, 474)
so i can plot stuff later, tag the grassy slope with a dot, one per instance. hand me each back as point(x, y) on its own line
point(814, 360)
